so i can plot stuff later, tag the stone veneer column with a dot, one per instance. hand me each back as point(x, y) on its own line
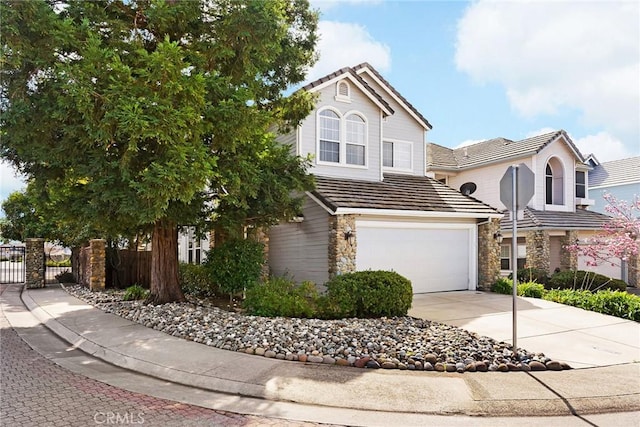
point(97, 280)
point(34, 263)
point(262, 235)
point(488, 254)
point(342, 254)
point(538, 250)
point(568, 259)
point(633, 268)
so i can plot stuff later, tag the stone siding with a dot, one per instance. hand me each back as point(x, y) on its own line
point(538, 250)
point(568, 259)
point(488, 254)
point(34, 263)
point(97, 258)
point(633, 267)
point(342, 252)
point(262, 235)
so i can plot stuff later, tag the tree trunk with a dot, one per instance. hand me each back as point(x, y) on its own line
point(165, 285)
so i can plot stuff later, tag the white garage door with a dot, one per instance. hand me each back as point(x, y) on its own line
point(435, 257)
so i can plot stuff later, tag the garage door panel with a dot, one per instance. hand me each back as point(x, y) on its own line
point(433, 259)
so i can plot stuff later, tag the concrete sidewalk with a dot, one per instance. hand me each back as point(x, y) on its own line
point(353, 392)
point(581, 338)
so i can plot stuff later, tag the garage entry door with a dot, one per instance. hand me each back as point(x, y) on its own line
point(435, 256)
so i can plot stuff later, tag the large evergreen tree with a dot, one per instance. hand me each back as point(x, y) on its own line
point(143, 114)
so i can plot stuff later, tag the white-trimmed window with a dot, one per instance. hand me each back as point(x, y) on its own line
point(581, 184)
point(329, 136)
point(342, 140)
point(505, 256)
point(554, 182)
point(397, 155)
point(355, 139)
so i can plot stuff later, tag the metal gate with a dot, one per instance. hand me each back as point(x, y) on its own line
point(12, 264)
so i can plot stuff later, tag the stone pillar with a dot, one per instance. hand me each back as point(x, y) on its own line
point(633, 269)
point(488, 254)
point(34, 263)
point(568, 259)
point(97, 260)
point(262, 235)
point(538, 250)
point(342, 251)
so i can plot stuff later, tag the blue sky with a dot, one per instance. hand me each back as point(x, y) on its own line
point(480, 70)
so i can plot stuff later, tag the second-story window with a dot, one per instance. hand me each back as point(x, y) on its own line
point(342, 139)
point(329, 136)
point(355, 138)
point(581, 184)
point(554, 182)
point(397, 155)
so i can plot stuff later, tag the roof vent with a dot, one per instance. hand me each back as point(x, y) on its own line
point(466, 152)
point(468, 188)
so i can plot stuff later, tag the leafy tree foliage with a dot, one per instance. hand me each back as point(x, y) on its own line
point(618, 239)
point(146, 114)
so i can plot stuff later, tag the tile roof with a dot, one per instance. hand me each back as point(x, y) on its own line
point(579, 220)
point(616, 172)
point(407, 104)
point(352, 73)
point(397, 192)
point(498, 150)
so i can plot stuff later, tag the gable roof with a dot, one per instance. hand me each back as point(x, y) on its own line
point(349, 73)
point(354, 74)
point(534, 219)
point(616, 172)
point(493, 151)
point(398, 193)
point(365, 67)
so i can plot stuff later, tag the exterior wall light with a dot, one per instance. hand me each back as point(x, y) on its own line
point(349, 235)
point(498, 236)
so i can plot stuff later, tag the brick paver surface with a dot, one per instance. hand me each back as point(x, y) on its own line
point(36, 392)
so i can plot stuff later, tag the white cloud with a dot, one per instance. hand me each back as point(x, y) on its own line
point(603, 145)
point(9, 182)
point(345, 44)
point(559, 56)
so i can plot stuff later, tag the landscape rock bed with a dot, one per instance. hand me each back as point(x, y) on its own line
point(405, 343)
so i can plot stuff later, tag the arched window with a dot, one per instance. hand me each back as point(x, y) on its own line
point(554, 183)
point(355, 139)
point(329, 136)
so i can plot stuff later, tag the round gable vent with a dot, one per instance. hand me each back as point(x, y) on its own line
point(468, 188)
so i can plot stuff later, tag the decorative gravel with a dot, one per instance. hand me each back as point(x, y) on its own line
point(389, 343)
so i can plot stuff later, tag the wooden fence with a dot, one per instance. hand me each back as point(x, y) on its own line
point(128, 267)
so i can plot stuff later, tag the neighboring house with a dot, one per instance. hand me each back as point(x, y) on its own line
point(191, 249)
point(620, 178)
point(373, 206)
point(556, 216)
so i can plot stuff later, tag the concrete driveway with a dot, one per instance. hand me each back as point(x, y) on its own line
point(581, 338)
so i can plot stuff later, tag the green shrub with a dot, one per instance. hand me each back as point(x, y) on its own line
point(65, 277)
point(63, 263)
point(614, 303)
point(195, 280)
point(503, 286)
point(236, 265)
point(135, 292)
point(584, 280)
point(280, 296)
point(530, 289)
point(537, 275)
point(367, 294)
